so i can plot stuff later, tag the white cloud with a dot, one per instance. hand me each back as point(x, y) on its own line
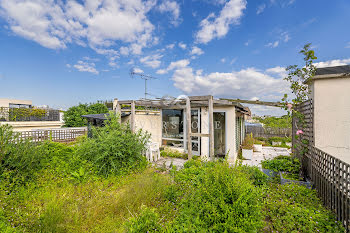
point(152, 60)
point(273, 44)
point(196, 51)
point(99, 24)
point(173, 8)
point(217, 26)
point(244, 84)
point(174, 65)
point(182, 45)
point(84, 66)
point(124, 50)
point(233, 60)
point(347, 45)
point(260, 9)
point(247, 42)
point(338, 62)
point(170, 46)
point(137, 70)
point(280, 71)
point(223, 60)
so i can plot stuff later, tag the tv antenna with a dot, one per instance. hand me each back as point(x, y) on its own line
point(143, 76)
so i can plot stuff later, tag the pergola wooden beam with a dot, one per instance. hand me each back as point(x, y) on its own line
point(258, 102)
point(188, 128)
point(211, 127)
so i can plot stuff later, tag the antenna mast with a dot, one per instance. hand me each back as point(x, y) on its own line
point(144, 77)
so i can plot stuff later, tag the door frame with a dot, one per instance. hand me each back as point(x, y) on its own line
point(222, 111)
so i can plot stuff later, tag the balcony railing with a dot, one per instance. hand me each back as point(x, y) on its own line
point(28, 114)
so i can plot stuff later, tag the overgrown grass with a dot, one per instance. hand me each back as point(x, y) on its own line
point(53, 187)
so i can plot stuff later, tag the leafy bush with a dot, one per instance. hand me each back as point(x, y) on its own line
point(282, 163)
point(295, 208)
point(114, 149)
point(72, 117)
point(258, 177)
point(168, 152)
point(276, 122)
point(6, 136)
point(217, 198)
point(146, 221)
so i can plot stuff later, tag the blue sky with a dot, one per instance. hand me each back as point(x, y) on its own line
point(60, 53)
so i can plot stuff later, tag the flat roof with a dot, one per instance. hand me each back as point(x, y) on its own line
point(332, 72)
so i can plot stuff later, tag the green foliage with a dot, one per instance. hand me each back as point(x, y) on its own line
point(114, 149)
point(172, 153)
point(276, 122)
point(283, 164)
point(6, 136)
point(18, 114)
point(146, 221)
point(258, 177)
point(72, 117)
point(248, 142)
point(217, 198)
point(295, 208)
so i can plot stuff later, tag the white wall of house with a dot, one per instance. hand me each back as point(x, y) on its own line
point(150, 122)
point(332, 116)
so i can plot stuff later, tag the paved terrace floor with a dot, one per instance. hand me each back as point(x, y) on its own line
point(267, 153)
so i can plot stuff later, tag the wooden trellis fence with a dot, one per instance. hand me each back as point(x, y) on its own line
point(56, 135)
point(329, 175)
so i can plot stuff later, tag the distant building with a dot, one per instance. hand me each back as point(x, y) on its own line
point(22, 115)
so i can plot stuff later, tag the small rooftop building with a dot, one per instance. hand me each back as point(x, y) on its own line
point(198, 125)
point(330, 91)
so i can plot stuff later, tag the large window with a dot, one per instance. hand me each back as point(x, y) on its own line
point(173, 128)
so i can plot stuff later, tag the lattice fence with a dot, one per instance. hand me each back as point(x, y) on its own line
point(56, 135)
point(329, 175)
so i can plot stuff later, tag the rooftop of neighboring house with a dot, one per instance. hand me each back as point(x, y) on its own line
point(332, 72)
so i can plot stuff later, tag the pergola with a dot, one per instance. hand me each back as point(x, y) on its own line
point(185, 102)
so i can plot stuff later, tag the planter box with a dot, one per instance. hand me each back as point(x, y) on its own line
point(257, 147)
point(247, 154)
point(270, 173)
point(287, 181)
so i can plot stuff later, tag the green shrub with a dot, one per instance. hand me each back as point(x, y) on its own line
point(295, 208)
point(172, 153)
point(114, 148)
point(146, 221)
point(258, 177)
point(282, 163)
point(217, 198)
point(72, 117)
point(6, 136)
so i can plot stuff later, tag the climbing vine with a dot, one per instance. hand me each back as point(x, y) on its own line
point(300, 79)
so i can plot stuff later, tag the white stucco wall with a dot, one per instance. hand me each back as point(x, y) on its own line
point(332, 116)
point(152, 123)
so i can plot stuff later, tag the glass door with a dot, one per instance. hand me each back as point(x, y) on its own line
point(219, 134)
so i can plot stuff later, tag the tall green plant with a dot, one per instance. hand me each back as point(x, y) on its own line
point(72, 117)
point(114, 149)
point(300, 79)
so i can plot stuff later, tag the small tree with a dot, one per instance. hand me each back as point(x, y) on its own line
point(72, 117)
point(299, 79)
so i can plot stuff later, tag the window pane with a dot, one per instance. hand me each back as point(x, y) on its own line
point(172, 123)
